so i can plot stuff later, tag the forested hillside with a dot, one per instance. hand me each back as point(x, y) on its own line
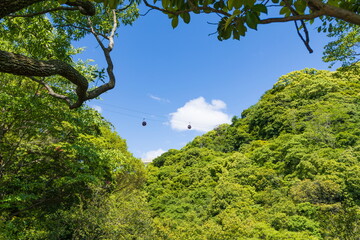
point(287, 169)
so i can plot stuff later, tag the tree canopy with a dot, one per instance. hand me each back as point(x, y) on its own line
point(64, 174)
point(74, 19)
point(27, 26)
point(288, 168)
point(236, 16)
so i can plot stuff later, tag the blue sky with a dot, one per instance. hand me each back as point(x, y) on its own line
point(173, 77)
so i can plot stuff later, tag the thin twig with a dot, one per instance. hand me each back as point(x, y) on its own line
point(305, 41)
point(51, 92)
point(143, 15)
point(295, 13)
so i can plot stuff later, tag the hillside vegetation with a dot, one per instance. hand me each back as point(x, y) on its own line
point(287, 169)
point(64, 174)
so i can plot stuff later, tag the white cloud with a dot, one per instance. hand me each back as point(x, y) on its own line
point(97, 108)
point(149, 156)
point(159, 98)
point(201, 115)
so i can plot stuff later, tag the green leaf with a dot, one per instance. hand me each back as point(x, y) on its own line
point(227, 33)
point(230, 4)
point(113, 4)
point(284, 11)
point(235, 3)
point(186, 17)
point(241, 28)
point(175, 21)
point(62, 1)
point(165, 3)
point(229, 20)
point(238, 3)
point(260, 8)
point(236, 34)
point(249, 3)
point(251, 20)
point(334, 3)
point(300, 6)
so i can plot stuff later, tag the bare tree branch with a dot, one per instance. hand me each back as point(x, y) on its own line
point(124, 8)
point(305, 40)
point(106, 50)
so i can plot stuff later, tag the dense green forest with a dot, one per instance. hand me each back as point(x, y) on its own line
point(64, 174)
point(287, 169)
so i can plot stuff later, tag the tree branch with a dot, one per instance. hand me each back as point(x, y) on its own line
point(305, 40)
point(8, 7)
point(106, 50)
point(293, 18)
point(51, 91)
point(21, 65)
point(85, 7)
point(18, 64)
point(46, 11)
point(335, 12)
point(194, 8)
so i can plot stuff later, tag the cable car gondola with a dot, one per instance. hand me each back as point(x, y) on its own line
point(189, 126)
point(143, 123)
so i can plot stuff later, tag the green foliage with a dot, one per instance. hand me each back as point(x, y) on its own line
point(345, 48)
point(60, 171)
point(239, 15)
point(64, 174)
point(281, 171)
point(44, 37)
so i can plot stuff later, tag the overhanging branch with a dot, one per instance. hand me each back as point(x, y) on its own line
point(45, 11)
point(8, 7)
point(51, 92)
point(21, 65)
point(106, 50)
point(293, 18)
point(192, 9)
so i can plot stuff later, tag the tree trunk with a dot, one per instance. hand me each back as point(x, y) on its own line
point(18, 64)
point(10, 6)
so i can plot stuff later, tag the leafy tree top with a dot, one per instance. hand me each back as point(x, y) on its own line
point(73, 19)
